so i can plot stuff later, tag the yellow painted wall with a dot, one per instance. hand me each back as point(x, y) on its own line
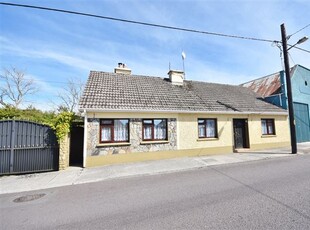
point(188, 131)
point(281, 126)
point(188, 143)
point(187, 128)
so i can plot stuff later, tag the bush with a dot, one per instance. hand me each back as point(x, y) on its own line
point(60, 122)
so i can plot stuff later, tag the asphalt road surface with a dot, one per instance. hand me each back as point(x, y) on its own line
point(267, 194)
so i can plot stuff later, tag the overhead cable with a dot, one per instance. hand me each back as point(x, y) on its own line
point(295, 47)
point(298, 31)
point(137, 22)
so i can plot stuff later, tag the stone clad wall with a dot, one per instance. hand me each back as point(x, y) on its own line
point(64, 152)
point(135, 145)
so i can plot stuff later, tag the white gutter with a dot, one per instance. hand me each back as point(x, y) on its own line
point(181, 111)
point(85, 139)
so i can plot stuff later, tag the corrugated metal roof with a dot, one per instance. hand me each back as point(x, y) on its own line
point(265, 86)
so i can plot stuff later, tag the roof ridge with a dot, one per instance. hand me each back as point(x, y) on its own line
point(298, 65)
point(149, 76)
point(211, 83)
point(292, 69)
point(129, 75)
point(267, 76)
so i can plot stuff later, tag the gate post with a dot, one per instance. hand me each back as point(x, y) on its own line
point(64, 149)
point(12, 146)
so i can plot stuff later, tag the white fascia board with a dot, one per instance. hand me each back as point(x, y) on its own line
point(180, 111)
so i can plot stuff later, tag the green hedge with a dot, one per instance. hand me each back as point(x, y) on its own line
point(60, 122)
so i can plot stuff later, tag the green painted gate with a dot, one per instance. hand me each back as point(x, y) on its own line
point(301, 112)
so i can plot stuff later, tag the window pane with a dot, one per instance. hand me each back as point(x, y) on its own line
point(270, 127)
point(264, 127)
point(147, 121)
point(201, 130)
point(210, 128)
point(120, 130)
point(147, 132)
point(160, 128)
point(200, 121)
point(106, 134)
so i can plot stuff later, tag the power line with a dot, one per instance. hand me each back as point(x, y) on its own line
point(308, 51)
point(298, 31)
point(137, 22)
point(295, 47)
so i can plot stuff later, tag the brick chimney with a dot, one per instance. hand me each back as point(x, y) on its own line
point(122, 69)
point(176, 77)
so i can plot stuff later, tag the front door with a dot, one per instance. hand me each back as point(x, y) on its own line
point(241, 133)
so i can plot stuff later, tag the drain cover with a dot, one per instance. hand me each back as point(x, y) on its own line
point(28, 198)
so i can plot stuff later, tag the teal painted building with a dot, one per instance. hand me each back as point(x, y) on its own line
point(272, 88)
point(301, 99)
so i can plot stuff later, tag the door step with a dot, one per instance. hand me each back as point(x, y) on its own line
point(243, 150)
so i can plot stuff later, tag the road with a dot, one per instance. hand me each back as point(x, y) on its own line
point(267, 194)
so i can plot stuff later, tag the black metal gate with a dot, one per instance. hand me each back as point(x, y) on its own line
point(27, 147)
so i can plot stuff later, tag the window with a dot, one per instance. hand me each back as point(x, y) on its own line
point(114, 130)
point(154, 129)
point(268, 127)
point(207, 128)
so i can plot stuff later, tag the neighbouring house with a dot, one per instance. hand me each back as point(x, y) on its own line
point(273, 89)
point(133, 118)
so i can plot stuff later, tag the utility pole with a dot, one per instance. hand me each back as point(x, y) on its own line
point(289, 91)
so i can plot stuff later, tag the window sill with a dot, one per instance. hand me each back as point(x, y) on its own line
point(113, 144)
point(208, 139)
point(266, 136)
point(153, 142)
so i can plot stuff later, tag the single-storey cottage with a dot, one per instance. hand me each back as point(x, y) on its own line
point(133, 118)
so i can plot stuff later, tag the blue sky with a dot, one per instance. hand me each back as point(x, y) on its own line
point(54, 47)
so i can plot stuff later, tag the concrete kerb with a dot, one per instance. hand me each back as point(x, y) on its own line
point(75, 175)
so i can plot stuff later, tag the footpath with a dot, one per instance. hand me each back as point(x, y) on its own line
point(76, 175)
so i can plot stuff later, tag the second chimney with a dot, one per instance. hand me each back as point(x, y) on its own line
point(176, 77)
point(122, 69)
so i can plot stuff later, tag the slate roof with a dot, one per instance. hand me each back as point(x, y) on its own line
point(110, 91)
